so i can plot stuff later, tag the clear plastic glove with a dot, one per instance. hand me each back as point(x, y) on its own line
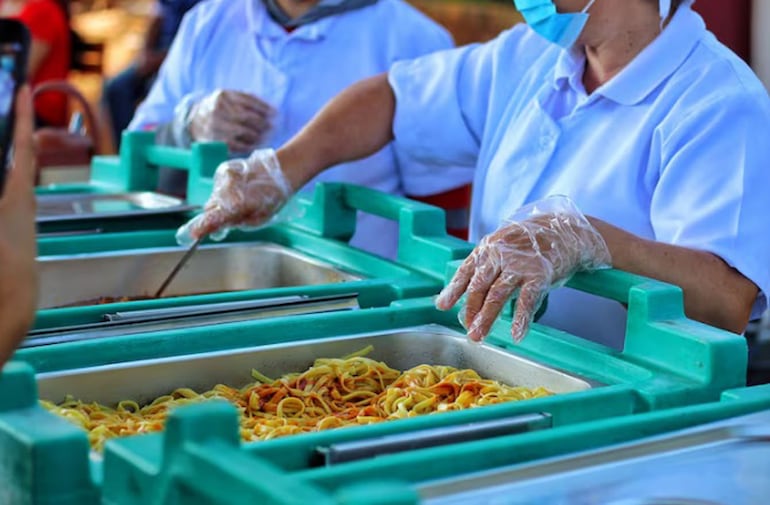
point(238, 119)
point(247, 194)
point(541, 246)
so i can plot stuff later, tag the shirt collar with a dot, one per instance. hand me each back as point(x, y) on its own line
point(262, 25)
point(569, 69)
point(648, 70)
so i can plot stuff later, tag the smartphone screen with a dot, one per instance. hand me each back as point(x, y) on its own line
point(14, 44)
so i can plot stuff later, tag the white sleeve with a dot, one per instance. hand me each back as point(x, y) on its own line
point(713, 192)
point(173, 85)
point(441, 108)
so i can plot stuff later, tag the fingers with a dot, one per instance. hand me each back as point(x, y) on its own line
point(23, 129)
point(248, 110)
point(236, 118)
point(249, 103)
point(530, 297)
point(240, 138)
point(216, 222)
point(21, 177)
point(241, 145)
point(488, 268)
point(493, 303)
point(22, 137)
point(456, 287)
point(242, 132)
point(207, 223)
point(183, 235)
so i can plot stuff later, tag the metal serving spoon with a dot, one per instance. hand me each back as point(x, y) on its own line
point(178, 267)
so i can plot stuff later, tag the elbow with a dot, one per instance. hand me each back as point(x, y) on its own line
point(730, 308)
point(735, 316)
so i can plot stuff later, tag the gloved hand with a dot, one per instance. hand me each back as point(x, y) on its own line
point(238, 119)
point(542, 245)
point(247, 193)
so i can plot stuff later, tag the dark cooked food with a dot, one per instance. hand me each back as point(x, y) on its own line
point(102, 300)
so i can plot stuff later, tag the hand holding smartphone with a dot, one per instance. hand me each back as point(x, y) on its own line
point(14, 48)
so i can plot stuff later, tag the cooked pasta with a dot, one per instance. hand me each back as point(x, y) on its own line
point(332, 393)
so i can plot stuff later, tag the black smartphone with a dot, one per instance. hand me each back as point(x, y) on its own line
point(14, 47)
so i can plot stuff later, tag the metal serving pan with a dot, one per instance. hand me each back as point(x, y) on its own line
point(83, 279)
point(56, 207)
point(402, 349)
point(721, 463)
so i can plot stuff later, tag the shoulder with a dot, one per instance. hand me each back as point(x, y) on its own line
point(517, 46)
point(725, 67)
point(209, 17)
point(522, 45)
point(714, 78)
point(506, 59)
point(516, 52)
point(401, 12)
point(205, 13)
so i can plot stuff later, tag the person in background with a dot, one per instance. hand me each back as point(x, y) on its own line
point(18, 246)
point(123, 92)
point(252, 73)
point(49, 54)
point(653, 132)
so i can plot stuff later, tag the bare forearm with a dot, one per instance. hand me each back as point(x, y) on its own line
point(714, 293)
point(353, 125)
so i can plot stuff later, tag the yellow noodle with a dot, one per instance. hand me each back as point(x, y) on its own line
point(333, 393)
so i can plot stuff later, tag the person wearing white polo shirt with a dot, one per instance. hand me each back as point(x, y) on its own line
point(251, 73)
point(654, 134)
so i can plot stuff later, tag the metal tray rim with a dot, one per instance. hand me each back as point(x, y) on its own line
point(431, 328)
point(176, 206)
point(148, 251)
point(723, 432)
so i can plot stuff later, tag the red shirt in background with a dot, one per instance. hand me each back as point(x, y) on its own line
point(47, 23)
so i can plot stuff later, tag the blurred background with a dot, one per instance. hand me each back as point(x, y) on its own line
point(114, 31)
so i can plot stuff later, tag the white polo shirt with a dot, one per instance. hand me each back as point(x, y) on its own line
point(235, 44)
point(675, 148)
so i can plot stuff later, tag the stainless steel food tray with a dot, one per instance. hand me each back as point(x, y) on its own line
point(722, 463)
point(73, 279)
point(402, 349)
point(83, 206)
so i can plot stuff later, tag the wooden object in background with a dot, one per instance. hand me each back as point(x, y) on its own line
point(470, 21)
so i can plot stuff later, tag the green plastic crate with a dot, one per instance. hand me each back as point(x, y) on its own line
point(412, 470)
point(190, 456)
point(320, 233)
point(136, 169)
point(668, 361)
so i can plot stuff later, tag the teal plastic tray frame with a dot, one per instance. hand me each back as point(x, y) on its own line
point(684, 363)
point(199, 460)
point(135, 168)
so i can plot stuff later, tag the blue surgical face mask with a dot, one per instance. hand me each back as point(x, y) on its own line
point(560, 28)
